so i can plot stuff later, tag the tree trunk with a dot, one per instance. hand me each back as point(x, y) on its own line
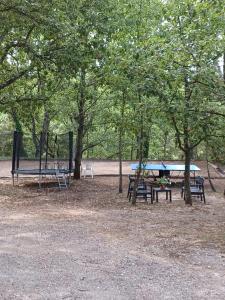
point(35, 137)
point(138, 173)
point(187, 192)
point(78, 153)
point(137, 148)
point(165, 144)
point(187, 146)
point(88, 149)
point(209, 177)
point(140, 159)
point(120, 146)
point(80, 129)
point(40, 142)
point(131, 153)
point(132, 150)
point(120, 163)
point(145, 145)
point(224, 67)
point(45, 128)
point(207, 164)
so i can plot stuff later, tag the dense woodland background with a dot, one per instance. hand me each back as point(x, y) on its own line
point(132, 79)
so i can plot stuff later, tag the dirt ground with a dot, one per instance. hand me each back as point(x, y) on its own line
point(88, 242)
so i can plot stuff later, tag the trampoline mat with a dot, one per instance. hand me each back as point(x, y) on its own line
point(41, 171)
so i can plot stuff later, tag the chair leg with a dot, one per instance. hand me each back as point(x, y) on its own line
point(128, 190)
point(129, 197)
point(151, 198)
point(204, 198)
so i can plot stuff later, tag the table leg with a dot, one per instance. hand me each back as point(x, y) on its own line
point(152, 199)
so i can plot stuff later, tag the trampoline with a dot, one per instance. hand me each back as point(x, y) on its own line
point(54, 156)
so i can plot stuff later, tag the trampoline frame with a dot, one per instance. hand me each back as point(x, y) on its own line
point(42, 171)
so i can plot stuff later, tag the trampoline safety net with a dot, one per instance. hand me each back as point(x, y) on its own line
point(6, 140)
point(47, 151)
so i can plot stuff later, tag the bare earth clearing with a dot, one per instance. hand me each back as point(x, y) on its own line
point(89, 243)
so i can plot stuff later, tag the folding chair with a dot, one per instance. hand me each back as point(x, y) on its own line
point(196, 188)
point(132, 179)
point(144, 190)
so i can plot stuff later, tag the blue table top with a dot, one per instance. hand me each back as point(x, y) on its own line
point(165, 167)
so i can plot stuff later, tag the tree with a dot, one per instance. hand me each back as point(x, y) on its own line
point(87, 40)
point(188, 69)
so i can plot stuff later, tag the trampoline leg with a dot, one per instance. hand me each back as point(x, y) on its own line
point(39, 182)
point(69, 179)
point(13, 179)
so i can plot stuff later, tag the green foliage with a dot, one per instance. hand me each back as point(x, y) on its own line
point(163, 181)
point(150, 72)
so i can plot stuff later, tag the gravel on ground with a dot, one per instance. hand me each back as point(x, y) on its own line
point(88, 242)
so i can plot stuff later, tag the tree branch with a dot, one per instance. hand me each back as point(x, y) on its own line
point(178, 132)
point(13, 79)
point(91, 146)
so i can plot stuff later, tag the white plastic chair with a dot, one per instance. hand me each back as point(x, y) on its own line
point(87, 170)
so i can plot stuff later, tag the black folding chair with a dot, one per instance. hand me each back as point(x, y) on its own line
point(132, 179)
point(144, 190)
point(196, 188)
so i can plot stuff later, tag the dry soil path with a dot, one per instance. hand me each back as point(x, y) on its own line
point(89, 243)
